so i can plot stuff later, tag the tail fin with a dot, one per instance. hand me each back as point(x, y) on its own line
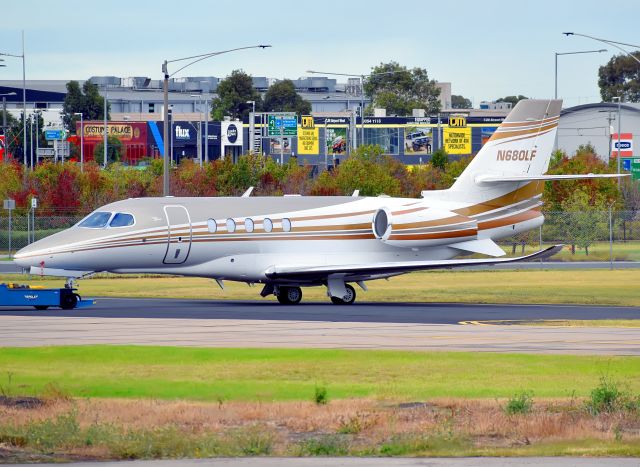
point(519, 150)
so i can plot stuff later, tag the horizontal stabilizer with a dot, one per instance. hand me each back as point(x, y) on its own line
point(37, 271)
point(372, 269)
point(528, 178)
point(485, 247)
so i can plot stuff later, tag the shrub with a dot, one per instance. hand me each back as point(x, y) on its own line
point(520, 403)
point(320, 395)
point(607, 397)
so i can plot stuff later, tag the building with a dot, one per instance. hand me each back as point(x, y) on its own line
point(597, 124)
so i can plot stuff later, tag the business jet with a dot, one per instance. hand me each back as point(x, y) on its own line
point(285, 243)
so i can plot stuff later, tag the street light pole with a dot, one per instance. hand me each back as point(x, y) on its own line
point(24, 101)
point(571, 53)
point(4, 112)
point(106, 129)
point(618, 155)
point(252, 126)
point(607, 41)
point(165, 70)
point(81, 140)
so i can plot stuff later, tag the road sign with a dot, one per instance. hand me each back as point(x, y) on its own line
point(51, 135)
point(289, 124)
point(9, 204)
point(635, 168)
point(626, 145)
point(34, 203)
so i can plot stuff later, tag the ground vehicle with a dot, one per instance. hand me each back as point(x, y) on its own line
point(41, 298)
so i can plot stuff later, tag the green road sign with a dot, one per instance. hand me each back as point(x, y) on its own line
point(289, 124)
point(635, 168)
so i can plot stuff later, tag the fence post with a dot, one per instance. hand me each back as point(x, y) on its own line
point(10, 226)
point(540, 243)
point(610, 240)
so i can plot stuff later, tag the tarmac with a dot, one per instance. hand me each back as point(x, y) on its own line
point(266, 324)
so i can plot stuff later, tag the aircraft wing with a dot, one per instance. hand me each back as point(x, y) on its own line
point(372, 269)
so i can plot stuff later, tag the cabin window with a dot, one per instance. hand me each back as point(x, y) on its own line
point(97, 220)
point(122, 219)
point(231, 225)
point(211, 224)
point(267, 224)
point(248, 225)
point(286, 225)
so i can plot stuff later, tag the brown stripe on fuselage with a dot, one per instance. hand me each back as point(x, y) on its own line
point(524, 192)
point(435, 235)
point(433, 223)
point(516, 218)
point(524, 137)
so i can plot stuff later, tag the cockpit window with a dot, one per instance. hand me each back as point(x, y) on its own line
point(121, 219)
point(97, 220)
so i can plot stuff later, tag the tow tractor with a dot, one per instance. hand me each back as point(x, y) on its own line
point(42, 298)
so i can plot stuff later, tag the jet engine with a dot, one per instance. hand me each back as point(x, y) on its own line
point(422, 227)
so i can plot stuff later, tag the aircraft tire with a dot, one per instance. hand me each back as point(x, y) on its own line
point(41, 307)
point(348, 300)
point(290, 295)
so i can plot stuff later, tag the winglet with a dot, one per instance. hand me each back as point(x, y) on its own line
point(247, 193)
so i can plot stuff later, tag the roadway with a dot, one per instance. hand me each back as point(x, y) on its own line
point(402, 326)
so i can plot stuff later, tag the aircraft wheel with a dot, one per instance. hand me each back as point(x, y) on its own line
point(41, 307)
point(69, 302)
point(348, 299)
point(290, 295)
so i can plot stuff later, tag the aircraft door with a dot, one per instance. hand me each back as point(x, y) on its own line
point(179, 234)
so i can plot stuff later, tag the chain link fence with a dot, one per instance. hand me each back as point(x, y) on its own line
point(587, 235)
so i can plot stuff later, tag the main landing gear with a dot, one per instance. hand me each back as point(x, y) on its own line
point(347, 299)
point(289, 295)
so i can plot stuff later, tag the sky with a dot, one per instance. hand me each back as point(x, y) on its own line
point(487, 50)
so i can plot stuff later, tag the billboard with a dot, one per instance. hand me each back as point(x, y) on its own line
point(232, 134)
point(277, 147)
point(418, 140)
point(308, 137)
point(457, 140)
point(626, 145)
point(336, 140)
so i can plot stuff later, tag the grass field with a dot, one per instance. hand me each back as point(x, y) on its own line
point(598, 251)
point(293, 374)
point(566, 323)
point(603, 287)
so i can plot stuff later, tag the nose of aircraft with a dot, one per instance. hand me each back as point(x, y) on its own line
point(25, 257)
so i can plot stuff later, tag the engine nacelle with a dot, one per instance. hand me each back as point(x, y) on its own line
point(422, 227)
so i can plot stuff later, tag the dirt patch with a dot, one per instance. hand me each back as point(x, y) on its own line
point(21, 402)
point(130, 429)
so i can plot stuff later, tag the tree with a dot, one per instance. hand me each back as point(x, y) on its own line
point(282, 97)
point(114, 150)
point(460, 102)
point(87, 101)
point(584, 220)
point(439, 158)
point(400, 90)
point(15, 140)
point(620, 77)
point(513, 99)
point(233, 93)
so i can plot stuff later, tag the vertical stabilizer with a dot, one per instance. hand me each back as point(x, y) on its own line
point(521, 146)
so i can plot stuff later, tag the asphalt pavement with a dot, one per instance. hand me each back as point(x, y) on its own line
point(261, 324)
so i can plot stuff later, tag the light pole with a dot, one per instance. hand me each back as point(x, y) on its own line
point(199, 132)
point(106, 129)
point(252, 126)
point(165, 88)
point(24, 101)
point(4, 113)
point(571, 53)
point(607, 41)
point(618, 155)
point(81, 140)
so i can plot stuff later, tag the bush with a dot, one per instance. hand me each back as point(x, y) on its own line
point(320, 395)
point(328, 445)
point(607, 397)
point(520, 403)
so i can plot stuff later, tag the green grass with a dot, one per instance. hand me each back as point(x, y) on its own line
point(293, 374)
point(595, 286)
point(598, 251)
